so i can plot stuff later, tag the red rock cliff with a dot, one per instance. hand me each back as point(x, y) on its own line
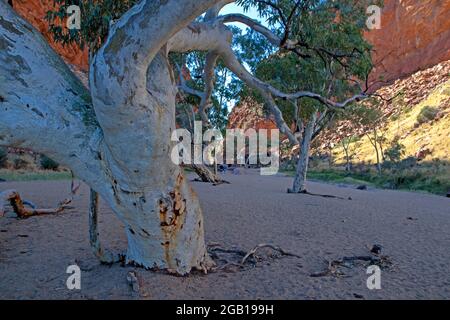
point(34, 11)
point(414, 35)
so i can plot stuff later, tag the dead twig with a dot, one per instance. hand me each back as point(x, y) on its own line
point(215, 248)
point(322, 195)
point(332, 269)
point(265, 245)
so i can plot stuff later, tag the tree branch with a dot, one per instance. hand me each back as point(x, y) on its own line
point(43, 105)
point(255, 25)
point(140, 33)
point(209, 77)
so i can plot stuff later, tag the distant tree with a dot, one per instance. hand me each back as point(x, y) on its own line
point(3, 157)
point(330, 57)
point(369, 117)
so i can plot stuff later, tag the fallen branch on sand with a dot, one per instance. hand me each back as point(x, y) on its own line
point(264, 245)
point(19, 205)
point(245, 255)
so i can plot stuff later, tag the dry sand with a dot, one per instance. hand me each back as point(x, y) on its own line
point(413, 228)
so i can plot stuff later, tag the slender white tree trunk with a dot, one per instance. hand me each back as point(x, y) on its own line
point(299, 185)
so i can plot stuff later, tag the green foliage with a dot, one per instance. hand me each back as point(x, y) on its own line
point(48, 164)
point(3, 157)
point(97, 16)
point(331, 49)
point(427, 114)
point(395, 151)
point(9, 175)
point(426, 178)
point(367, 115)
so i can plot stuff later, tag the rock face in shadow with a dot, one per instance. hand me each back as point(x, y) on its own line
point(34, 11)
point(250, 114)
point(414, 35)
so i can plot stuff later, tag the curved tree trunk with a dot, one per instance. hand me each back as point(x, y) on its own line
point(118, 143)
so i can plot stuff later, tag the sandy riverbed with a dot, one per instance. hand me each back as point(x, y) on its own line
point(413, 228)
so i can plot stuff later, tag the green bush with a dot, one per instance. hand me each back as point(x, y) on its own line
point(395, 152)
point(427, 114)
point(48, 164)
point(20, 164)
point(3, 157)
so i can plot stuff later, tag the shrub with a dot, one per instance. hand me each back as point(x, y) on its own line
point(395, 151)
point(427, 114)
point(20, 164)
point(48, 164)
point(3, 157)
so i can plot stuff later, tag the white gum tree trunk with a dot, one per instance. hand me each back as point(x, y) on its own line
point(299, 185)
point(118, 142)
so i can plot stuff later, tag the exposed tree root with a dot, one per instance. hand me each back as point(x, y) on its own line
point(22, 212)
point(243, 256)
point(216, 183)
point(317, 194)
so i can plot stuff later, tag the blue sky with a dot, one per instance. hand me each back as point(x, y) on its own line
point(251, 13)
point(234, 8)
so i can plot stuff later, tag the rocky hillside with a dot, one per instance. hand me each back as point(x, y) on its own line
point(414, 36)
point(425, 139)
point(421, 120)
point(249, 114)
